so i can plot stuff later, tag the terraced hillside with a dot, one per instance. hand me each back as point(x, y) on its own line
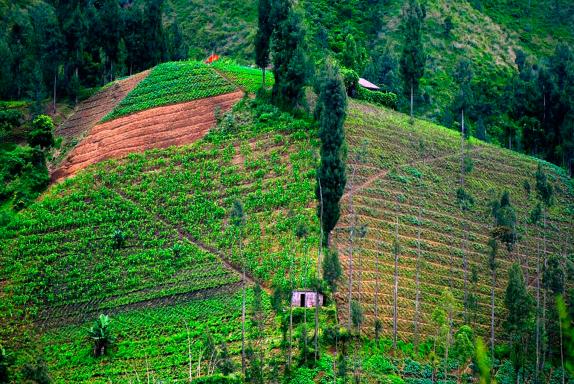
point(89, 112)
point(405, 187)
point(66, 262)
point(176, 104)
point(146, 238)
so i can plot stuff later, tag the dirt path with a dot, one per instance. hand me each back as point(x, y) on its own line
point(161, 127)
point(186, 235)
point(382, 174)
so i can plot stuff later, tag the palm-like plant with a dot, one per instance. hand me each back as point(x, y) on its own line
point(101, 334)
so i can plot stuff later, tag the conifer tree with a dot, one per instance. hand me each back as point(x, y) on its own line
point(331, 176)
point(263, 36)
point(290, 65)
point(520, 306)
point(413, 59)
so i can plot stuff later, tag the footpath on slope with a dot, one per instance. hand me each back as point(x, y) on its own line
point(160, 127)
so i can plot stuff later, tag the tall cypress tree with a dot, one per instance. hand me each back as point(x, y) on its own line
point(289, 57)
point(263, 37)
point(331, 175)
point(413, 59)
point(520, 306)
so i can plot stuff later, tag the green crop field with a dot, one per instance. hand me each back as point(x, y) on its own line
point(247, 78)
point(411, 174)
point(164, 200)
point(172, 83)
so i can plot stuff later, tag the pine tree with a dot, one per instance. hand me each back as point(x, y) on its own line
point(263, 36)
point(413, 59)
point(331, 176)
point(520, 307)
point(290, 64)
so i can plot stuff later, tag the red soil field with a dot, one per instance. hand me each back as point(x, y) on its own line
point(91, 111)
point(160, 127)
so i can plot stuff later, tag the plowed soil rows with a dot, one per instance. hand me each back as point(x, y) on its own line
point(161, 127)
point(91, 111)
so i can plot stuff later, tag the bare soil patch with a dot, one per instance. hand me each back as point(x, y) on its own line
point(161, 127)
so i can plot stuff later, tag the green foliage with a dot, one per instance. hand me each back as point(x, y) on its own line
point(9, 119)
point(332, 270)
point(331, 175)
point(386, 99)
point(42, 132)
point(101, 335)
point(465, 200)
point(544, 190)
point(505, 221)
point(353, 56)
point(518, 302)
point(290, 63)
point(351, 80)
point(36, 373)
point(413, 58)
point(357, 316)
point(5, 362)
point(263, 36)
point(248, 79)
point(216, 379)
point(171, 83)
point(23, 175)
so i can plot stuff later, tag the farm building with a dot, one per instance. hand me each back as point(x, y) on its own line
point(306, 298)
point(367, 84)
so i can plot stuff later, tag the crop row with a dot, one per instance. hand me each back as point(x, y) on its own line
point(249, 79)
point(150, 341)
point(172, 83)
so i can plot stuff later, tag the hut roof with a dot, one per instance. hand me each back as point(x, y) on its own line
point(367, 84)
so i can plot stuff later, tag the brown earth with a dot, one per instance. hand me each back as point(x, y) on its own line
point(89, 112)
point(160, 127)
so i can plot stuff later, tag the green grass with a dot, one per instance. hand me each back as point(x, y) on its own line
point(172, 83)
point(149, 341)
point(249, 79)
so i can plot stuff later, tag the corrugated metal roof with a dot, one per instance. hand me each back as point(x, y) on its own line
point(367, 84)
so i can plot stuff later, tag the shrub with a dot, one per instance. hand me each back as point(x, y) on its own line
point(42, 132)
point(217, 379)
point(101, 334)
point(351, 80)
point(9, 119)
point(36, 373)
point(386, 99)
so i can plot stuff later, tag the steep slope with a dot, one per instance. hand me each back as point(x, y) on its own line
point(486, 32)
point(176, 104)
point(89, 112)
point(174, 277)
point(405, 187)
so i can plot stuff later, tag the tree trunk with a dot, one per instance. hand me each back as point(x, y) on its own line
point(290, 334)
point(396, 287)
point(55, 81)
point(319, 256)
point(537, 312)
point(351, 238)
point(417, 282)
point(243, 363)
point(492, 314)
point(465, 274)
point(412, 101)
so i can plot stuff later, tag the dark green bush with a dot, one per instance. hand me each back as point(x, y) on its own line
point(351, 80)
point(386, 99)
point(42, 132)
point(9, 119)
point(216, 379)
